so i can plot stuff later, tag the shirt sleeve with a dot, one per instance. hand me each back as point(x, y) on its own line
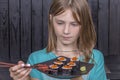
point(98, 71)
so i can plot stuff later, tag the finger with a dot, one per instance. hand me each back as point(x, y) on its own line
point(15, 68)
point(17, 75)
point(27, 65)
point(11, 73)
point(14, 73)
point(19, 71)
point(24, 73)
point(21, 62)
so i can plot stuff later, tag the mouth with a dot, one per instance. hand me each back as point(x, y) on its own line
point(67, 38)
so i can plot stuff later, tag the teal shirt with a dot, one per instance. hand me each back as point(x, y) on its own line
point(97, 72)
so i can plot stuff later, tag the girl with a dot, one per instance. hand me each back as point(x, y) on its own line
point(71, 33)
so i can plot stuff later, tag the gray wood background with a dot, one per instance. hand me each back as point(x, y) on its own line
point(23, 27)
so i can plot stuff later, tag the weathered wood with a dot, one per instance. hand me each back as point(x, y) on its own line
point(113, 63)
point(46, 4)
point(94, 12)
point(114, 33)
point(25, 28)
point(28, 31)
point(3, 1)
point(37, 25)
point(14, 15)
point(4, 74)
point(4, 30)
point(103, 26)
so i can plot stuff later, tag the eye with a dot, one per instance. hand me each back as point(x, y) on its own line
point(60, 23)
point(74, 24)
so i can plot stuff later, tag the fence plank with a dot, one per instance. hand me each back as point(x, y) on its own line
point(37, 26)
point(25, 28)
point(4, 74)
point(14, 15)
point(4, 30)
point(94, 10)
point(114, 34)
point(103, 26)
point(46, 4)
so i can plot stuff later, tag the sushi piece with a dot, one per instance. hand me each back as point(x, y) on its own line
point(66, 67)
point(53, 66)
point(71, 63)
point(74, 59)
point(58, 62)
point(54, 69)
point(61, 58)
point(66, 70)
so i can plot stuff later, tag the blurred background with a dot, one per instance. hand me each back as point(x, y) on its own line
point(23, 29)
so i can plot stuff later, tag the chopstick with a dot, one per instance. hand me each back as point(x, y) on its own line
point(4, 64)
point(7, 65)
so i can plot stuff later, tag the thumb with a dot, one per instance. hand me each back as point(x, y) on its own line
point(21, 62)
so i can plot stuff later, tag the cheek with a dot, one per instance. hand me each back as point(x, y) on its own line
point(76, 32)
point(55, 27)
point(57, 31)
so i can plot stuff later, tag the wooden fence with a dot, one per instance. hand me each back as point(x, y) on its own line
point(23, 27)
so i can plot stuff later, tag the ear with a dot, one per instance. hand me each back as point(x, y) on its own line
point(50, 17)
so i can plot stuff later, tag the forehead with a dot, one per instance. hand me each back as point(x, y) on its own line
point(66, 15)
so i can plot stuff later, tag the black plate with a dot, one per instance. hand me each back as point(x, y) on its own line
point(81, 68)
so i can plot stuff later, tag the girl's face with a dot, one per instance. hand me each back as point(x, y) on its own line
point(66, 28)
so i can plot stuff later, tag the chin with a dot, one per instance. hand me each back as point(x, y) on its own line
point(67, 43)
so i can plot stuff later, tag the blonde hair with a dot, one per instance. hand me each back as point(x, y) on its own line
point(82, 15)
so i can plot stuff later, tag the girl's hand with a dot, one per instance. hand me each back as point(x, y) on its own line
point(18, 72)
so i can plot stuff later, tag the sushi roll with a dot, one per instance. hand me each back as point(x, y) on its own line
point(66, 70)
point(58, 63)
point(53, 66)
point(61, 58)
point(54, 69)
point(74, 59)
point(71, 63)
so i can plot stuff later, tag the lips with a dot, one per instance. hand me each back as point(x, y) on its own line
point(66, 38)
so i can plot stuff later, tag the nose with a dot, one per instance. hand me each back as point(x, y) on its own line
point(67, 29)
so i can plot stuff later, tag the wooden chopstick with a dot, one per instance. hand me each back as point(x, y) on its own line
point(4, 64)
point(7, 65)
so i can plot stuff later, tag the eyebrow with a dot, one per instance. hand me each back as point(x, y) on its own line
point(63, 20)
point(58, 19)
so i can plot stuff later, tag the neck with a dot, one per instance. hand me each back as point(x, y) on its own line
point(66, 47)
point(67, 50)
point(57, 50)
